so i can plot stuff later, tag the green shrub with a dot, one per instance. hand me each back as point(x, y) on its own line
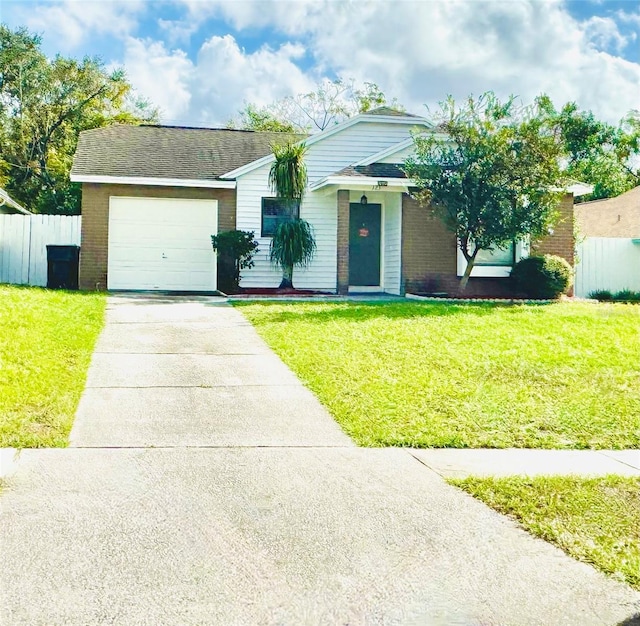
point(542, 277)
point(626, 295)
point(235, 249)
point(603, 295)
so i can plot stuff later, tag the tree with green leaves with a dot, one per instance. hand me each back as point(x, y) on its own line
point(252, 117)
point(598, 153)
point(331, 102)
point(491, 171)
point(293, 243)
point(44, 105)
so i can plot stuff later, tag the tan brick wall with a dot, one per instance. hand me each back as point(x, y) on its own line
point(562, 241)
point(428, 249)
point(95, 221)
point(343, 241)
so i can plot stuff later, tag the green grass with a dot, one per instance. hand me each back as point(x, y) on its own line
point(46, 341)
point(596, 520)
point(565, 375)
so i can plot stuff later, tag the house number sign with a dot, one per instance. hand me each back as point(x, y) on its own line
point(363, 232)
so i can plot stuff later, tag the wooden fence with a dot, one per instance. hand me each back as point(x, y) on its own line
point(23, 245)
point(607, 263)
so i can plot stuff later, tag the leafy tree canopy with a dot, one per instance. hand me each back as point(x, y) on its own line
point(598, 153)
point(491, 171)
point(331, 102)
point(44, 105)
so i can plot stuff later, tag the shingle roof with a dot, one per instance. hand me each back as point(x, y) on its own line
point(613, 217)
point(374, 170)
point(170, 151)
point(390, 111)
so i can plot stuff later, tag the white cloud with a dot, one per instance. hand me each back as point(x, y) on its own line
point(71, 23)
point(604, 34)
point(290, 16)
point(422, 51)
point(178, 31)
point(629, 17)
point(415, 50)
point(163, 76)
point(210, 90)
point(226, 76)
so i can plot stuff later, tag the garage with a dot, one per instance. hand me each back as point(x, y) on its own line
point(161, 244)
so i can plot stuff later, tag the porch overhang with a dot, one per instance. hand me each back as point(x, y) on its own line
point(361, 183)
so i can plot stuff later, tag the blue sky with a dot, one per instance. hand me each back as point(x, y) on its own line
point(200, 60)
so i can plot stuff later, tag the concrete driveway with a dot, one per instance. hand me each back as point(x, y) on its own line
point(192, 372)
point(205, 485)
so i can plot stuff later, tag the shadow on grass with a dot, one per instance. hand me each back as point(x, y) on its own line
point(319, 312)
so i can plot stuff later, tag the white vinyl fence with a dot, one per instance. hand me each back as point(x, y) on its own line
point(607, 263)
point(23, 245)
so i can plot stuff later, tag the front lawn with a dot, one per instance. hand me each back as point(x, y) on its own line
point(596, 520)
point(565, 375)
point(46, 341)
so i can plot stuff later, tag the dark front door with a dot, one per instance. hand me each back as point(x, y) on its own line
point(364, 244)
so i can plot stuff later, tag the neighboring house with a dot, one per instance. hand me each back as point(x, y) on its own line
point(9, 205)
point(612, 217)
point(153, 195)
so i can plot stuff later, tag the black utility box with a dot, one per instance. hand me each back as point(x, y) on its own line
point(62, 267)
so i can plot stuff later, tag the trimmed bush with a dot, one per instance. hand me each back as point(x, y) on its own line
point(603, 295)
point(542, 277)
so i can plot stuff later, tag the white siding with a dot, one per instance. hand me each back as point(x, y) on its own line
point(392, 248)
point(319, 209)
point(607, 263)
point(352, 145)
point(399, 157)
point(23, 245)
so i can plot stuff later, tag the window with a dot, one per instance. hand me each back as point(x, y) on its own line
point(275, 211)
point(494, 263)
point(497, 257)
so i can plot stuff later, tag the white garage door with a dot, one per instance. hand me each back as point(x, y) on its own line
point(162, 244)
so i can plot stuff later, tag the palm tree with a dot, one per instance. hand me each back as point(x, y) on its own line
point(293, 242)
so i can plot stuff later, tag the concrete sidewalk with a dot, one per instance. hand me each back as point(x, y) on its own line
point(206, 485)
point(275, 536)
point(460, 463)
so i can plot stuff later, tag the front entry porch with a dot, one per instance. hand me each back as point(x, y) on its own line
point(369, 241)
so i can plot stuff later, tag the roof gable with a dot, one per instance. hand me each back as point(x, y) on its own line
point(380, 117)
point(390, 111)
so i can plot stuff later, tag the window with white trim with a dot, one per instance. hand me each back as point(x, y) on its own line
point(497, 257)
point(275, 211)
point(494, 263)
